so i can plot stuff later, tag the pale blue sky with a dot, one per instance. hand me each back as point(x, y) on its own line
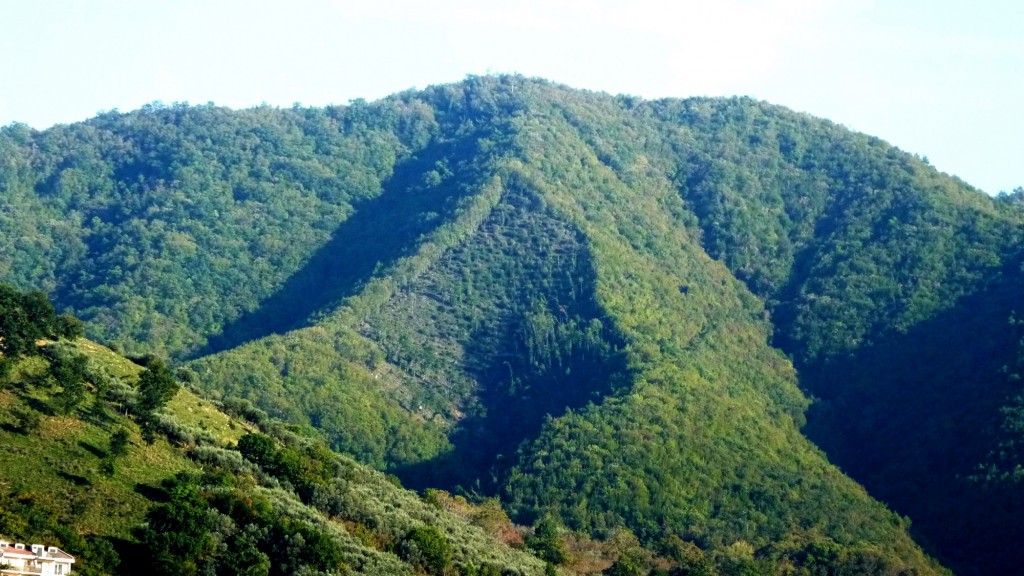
point(940, 78)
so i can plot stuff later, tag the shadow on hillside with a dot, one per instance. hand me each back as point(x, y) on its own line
point(136, 560)
point(377, 234)
point(514, 410)
point(523, 384)
point(151, 492)
point(97, 414)
point(39, 406)
point(914, 442)
point(74, 478)
point(92, 449)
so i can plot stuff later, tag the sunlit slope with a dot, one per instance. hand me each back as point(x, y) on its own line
point(582, 292)
point(68, 483)
point(568, 299)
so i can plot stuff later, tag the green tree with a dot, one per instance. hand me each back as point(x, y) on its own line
point(24, 319)
point(119, 441)
point(6, 365)
point(177, 534)
point(259, 449)
point(627, 565)
point(96, 557)
point(244, 557)
point(27, 419)
point(546, 542)
point(107, 466)
point(69, 372)
point(68, 327)
point(322, 551)
point(427, 547)
point(157, 386)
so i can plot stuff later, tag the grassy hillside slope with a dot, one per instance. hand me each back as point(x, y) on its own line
point(89, 478)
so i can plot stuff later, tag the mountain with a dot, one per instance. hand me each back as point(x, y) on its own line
point(604, 310)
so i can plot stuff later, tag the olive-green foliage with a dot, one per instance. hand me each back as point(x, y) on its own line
point(259, 449)
point(626, 566)
point(69, 370)
point(503, 329)
point(152, 194)
point(23, 519)
point(427, 548)
point(422, 535)
point(157, 386)
point(305, 468)
point(545, 541)
point(232, 520)
point(27, 322)
point(52, 491)
point(177, 534)
point(889, 284)
point(326, 375)
point(96, 556)
point(27, 420)
point(119, 442)
point(694, 447)
point(25, 317)
point(566, 298)
point(68, 326)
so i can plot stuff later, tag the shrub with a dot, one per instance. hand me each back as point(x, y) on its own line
point(107, 466)
point(157, 386)
point(28, 420)
point(227, 460)
point(427, 548)
point(259, 449)
point(121, 393)
point(5, 368)
point(119, 442)
point(545, 541)
point(174, 430)
point(68, 327)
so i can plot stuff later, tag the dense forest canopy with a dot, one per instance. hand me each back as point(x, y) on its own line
point(606, 311)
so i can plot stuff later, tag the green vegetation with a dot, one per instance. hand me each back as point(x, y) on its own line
point(26, 318)
point(891, 287)
point(546, 543)
point(426, 548)
point(607, 312)
point(185, 501)
point(107, 206)
point(578, 291)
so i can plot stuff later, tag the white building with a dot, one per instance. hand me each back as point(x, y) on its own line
point(16, 559)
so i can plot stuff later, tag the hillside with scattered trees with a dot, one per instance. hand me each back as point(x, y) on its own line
point(689, 330)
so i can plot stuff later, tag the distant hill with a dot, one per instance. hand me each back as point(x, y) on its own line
point(604, 310)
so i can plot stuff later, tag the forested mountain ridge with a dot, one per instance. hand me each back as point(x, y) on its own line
point(564, 298)
point(898, 310)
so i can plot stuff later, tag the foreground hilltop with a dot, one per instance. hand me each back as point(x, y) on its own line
point(601, 309)
point(121, 464)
